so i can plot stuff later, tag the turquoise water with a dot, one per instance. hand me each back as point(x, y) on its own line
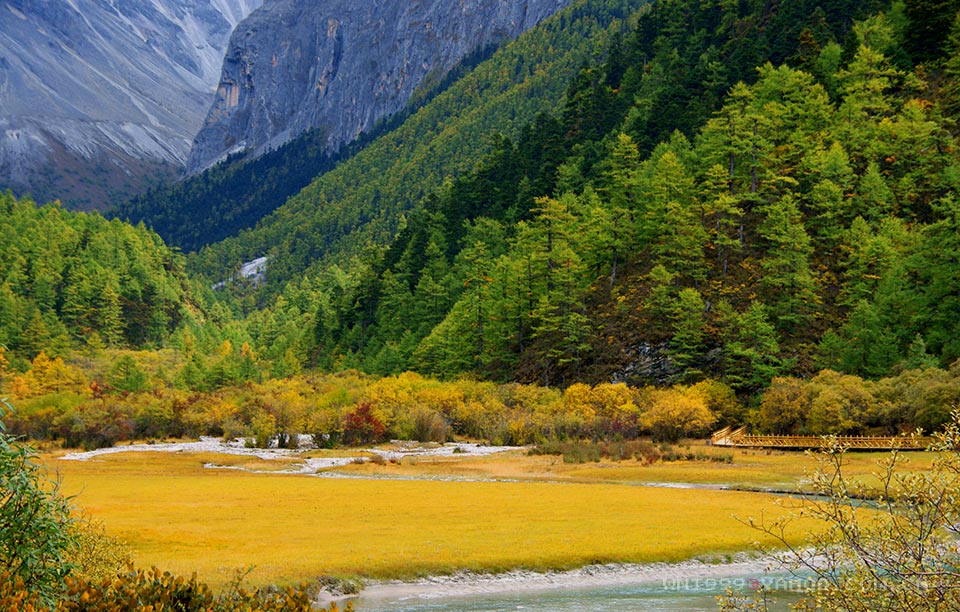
point(655, 597)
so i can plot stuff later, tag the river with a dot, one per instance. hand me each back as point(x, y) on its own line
point(662, 588)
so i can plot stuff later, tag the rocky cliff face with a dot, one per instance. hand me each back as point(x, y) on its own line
point(341, 65)
point(94, 94)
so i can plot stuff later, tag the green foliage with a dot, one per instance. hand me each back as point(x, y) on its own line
point(126, 375)
point(36, 529)
point(69, 277)
point(841, 404)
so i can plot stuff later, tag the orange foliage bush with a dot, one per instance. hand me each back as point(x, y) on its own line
point(154, 591)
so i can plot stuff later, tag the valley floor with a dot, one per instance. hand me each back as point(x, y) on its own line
point(405, 513)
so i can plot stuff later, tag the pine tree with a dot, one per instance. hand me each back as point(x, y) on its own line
point(611, 220)
point(950, 95)
point(110, 316)
point(723, 217)
point(670, 221)
point(936, 267)
point(874, 200)
point(752, 349)
point(788, 281)
point(688, 321)
point(865, 86)
point(560, 325)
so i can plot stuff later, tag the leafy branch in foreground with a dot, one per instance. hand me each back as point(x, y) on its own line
point(889, 546)
point(36, 529)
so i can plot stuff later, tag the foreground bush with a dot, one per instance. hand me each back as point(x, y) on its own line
point(36, 532)
point(886, 546)
point(150, 591)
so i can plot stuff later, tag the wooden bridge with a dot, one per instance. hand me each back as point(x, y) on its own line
point(739, 438)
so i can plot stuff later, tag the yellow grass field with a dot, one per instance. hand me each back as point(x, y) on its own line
point(749, 469)
point(179, 516)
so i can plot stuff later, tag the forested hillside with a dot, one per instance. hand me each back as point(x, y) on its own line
point(69, 279)
point(691, 210)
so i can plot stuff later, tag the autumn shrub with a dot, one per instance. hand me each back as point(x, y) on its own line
point(323, 426)
point(483, 420)
point(934, 404)
point(784, 407)
point(722, 401)
point(94, 424)
point(14, 594)
point(442, 398)
point(430, 426)
point(95, 554)
point(152, 590)
point(362, 425)
point(206, 414)
point(676, 413)
point(155, 590)
point(263, 429)
point(836, 403)
point(605, 410)
point(35, 417)
point(523, 428)
point(841, 404)
point(154, 417)
point(534, 398)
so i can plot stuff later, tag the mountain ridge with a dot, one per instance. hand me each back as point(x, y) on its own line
point(91, 89)
point(368, 60)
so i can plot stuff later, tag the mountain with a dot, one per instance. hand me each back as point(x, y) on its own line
point(650, 193)
point(343, 65)
point(99, 98)
point(363, 199)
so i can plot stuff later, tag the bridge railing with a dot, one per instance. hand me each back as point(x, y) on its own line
point(739, 438)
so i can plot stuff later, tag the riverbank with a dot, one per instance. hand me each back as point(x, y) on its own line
point(594, 586)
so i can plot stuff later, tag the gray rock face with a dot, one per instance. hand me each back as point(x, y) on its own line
point(106, 83)
point(341, 65)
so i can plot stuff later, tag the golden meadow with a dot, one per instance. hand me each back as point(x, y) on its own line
point(483, 514)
